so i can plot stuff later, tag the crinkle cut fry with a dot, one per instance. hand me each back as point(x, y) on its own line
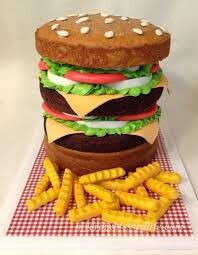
point(169, 177)
point(137, 201)
point(52, 173)
point(102, 175)
point(165, 204)
point(116, 184)
point(99, 192)
point(141, 190)
point(42, 185)
point(62, 202)
point(79, 195)
point(142, 174)
point(91, 210)
point(42, 199)
point(162, 189)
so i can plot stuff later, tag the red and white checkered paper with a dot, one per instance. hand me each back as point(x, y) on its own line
point(43, 222)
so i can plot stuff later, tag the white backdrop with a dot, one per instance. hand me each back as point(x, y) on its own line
point(20, 99)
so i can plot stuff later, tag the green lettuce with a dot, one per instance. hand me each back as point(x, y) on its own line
point(87, 89)
point(129, 127)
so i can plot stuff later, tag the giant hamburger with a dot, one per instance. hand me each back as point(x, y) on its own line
point(100, 80)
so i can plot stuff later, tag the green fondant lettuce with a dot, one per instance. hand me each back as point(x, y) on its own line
point(88, 89)
point(129, 127)
point(61, 69)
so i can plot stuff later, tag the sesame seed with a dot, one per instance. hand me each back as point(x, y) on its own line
point(158, 32)
point(51, 20)
point(62, 33)
point(109, 34)
point(61, 18)
point(82, 15)
point(109, 20)
point(104, 14)
point(55, 26)
point(144, 24)
point(124, 18)
point(83, 19)
point(72, 15)
point(137, 31)
point(84, 30)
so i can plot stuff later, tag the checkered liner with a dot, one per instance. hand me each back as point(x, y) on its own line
point(44, 222)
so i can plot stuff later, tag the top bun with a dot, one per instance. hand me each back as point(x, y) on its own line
point(102, 41)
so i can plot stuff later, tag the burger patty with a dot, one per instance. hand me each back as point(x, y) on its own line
point(108, 143)
point(121, 106)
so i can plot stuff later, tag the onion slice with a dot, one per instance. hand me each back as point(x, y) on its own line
point(102, 124)
point(59, 80)
point(131, 83)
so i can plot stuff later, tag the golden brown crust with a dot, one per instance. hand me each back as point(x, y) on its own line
point(126, 48)
point(87, 162)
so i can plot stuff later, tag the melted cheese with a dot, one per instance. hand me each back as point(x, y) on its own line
point(83, 105)
point(56, 130)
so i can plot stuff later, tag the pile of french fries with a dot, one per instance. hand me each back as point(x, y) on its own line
point(111, 191)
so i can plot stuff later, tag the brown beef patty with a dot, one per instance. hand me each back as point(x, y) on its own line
point(122, 106)
point(88, 162)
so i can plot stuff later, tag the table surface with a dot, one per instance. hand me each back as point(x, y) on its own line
point(20, 102)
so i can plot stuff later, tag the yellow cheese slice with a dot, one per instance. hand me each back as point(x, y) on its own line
point(82, 105)
point(163, 82)
point(56, 130)
point(148, 132)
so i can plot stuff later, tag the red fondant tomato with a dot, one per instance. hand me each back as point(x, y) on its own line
point(155, 68)
point(57, 114)
point(94, 78)
point(42, 66)
point(148, 113)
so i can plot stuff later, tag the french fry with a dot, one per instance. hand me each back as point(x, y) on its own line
point(169, 177)
point(142, 174)
point(99, 192)
point(42, 185)
point(165, 204)
point(42, 199)
point(130, 220)
point(79, 195)
point(162, 189)
point(102, 175)
point(141, 190)
point(62, 202)
point(137, 201)
point(51, 173)
point(115, 184)
point(91, 210)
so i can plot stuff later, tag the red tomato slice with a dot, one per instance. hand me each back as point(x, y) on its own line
point(139, 116)
point(42, 66)
point(95, 78)
point(155, 68)
point(59, 115)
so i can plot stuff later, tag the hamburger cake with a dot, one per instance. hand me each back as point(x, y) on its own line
point(100, 81)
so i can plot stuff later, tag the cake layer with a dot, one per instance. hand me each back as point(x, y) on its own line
point(120, 43)
point(120, 106)
point(87, 162)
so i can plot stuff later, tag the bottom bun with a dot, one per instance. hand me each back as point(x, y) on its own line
point(88, 162)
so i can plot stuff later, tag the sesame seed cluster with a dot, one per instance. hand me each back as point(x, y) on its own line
point(84, 17)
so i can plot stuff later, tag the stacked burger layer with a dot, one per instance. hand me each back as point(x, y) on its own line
point(100, 80)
